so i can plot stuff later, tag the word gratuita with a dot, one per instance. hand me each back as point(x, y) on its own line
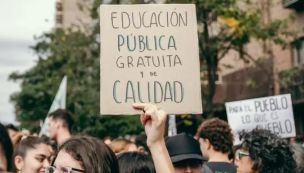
point(143, 42)
point(155, 92)
point(148, 61)
point(147, 19)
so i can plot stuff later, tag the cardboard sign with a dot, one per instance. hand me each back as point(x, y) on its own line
point(149, 53)
point(273, 113)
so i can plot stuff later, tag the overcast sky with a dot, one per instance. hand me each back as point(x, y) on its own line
point(21, 20)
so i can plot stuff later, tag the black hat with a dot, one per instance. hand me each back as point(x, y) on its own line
point(183, 147)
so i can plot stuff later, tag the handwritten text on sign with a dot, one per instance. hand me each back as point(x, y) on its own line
point(273, 113)
point(149, 53)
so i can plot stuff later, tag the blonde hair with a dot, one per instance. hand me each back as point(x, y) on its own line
point(120, 145)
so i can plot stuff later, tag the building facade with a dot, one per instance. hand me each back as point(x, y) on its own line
point(277, 65)
point(243, 80)
point(75, 14)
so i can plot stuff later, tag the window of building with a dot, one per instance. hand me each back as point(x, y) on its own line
point(59, 7)
point(204, 77)
point(298, 52)
point(59, 19)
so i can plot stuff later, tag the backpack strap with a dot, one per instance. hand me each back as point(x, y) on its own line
point(206, 169)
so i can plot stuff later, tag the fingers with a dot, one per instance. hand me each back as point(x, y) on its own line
point(139, 106)
point(162, 114)
point(150, 112)
point(147, 108)
point(150, 109)
point(145, 119)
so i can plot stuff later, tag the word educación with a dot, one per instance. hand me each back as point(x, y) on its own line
point(146, 19)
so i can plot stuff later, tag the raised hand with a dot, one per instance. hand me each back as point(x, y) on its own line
point(154, 121)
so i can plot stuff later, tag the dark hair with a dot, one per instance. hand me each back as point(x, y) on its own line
point(52, 143)
point(298, 155)
point(64, 116)
point(6, 146)
point(11, 127)
point(141, 142)
point(218, 133)
point(95, 156)
point(269, 152)
point(135, 162)
point(26, 144)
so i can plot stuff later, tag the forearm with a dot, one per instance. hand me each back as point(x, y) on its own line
point(161, 158)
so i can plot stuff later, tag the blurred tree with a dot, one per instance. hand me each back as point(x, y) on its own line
point(225, 25)
point(75, 54)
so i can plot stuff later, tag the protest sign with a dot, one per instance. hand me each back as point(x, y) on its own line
point(149, 53)
point(274, 113)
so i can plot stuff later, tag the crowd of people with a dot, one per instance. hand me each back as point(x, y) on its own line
point(211, 150)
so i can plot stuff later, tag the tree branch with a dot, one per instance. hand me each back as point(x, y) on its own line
point(225, 51)
point(250, 58)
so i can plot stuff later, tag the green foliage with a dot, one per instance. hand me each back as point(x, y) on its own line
point(292, 82)
point(76, 55)
point(223, 26)
point(230, 25)
point(292, 77)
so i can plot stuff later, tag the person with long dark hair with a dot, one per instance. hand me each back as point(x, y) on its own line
point(135, 162)
point(6, 150)
point(84, 154)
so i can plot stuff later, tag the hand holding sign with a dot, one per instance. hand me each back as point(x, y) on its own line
point(154, 121)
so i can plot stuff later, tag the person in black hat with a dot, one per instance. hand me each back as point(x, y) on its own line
point(185, 153)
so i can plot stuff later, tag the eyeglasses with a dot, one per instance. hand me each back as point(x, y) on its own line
point(240, 154)
point(53, 169)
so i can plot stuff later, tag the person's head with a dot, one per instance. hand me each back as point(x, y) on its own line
point(107, 140)
point(12, 130)
point(185, 153)
point(215, 135)
point(59, 120)
point(264, 152)
point(298, 155)
point(85, 154)
point(6, 150)
point(141, 143)
point(135, 162)
point(32, 155)
point(235, 151)
point(122, 145)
